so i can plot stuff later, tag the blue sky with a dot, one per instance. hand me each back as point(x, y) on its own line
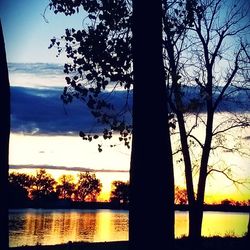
point(27, 35)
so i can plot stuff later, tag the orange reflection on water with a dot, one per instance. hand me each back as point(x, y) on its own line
point(50, 227)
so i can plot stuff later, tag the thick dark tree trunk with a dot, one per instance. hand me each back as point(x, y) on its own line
point(151, 220)
point(4, 143)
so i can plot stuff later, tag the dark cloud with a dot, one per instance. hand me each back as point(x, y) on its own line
point(77, 169)
point(235, 100)
point(41, 111)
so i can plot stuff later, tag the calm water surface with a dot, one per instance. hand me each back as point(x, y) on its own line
point(49, 227)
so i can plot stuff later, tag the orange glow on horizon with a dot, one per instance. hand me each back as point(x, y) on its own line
point(106, 179)
point(45, 151)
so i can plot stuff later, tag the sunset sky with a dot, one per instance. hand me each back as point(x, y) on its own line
point(45, 132)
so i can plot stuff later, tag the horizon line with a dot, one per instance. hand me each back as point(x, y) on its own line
point(76, 169)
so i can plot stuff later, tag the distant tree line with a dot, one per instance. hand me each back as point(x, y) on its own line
point(42, 187)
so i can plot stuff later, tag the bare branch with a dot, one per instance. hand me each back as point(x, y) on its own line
point(215, 53)
point(229, 80)
point(224, 172)
point(197, 140)
point(44, 14)
point(177, 151)
point(240, 123)
point(244, 49)
point(231, 150)
point(214, 12)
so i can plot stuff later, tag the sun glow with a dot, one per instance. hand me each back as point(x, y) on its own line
point(58, 153)
point(67, 151)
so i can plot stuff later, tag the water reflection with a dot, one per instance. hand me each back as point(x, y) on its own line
point(49, 227)
point(224, 224)
point(181, 224)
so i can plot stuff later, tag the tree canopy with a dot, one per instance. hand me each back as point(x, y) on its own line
point(88, 187)
point(66, 186)
point(120, 192)
point(42, 187)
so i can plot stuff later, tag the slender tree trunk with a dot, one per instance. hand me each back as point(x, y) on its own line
point(192, 204)
point(195, 211)
point(205, 154)
point(178, 108)
point(151, 220)
point(202, 187)
point(4, 143)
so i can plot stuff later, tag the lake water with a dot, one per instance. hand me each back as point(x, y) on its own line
point(49, 227)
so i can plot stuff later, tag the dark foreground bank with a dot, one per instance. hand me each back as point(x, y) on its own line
point(214, 243)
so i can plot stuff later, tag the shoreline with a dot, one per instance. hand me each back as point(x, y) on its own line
point(111, 206)
point(213, 243)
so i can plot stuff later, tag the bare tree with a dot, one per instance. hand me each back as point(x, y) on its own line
point(215, 75)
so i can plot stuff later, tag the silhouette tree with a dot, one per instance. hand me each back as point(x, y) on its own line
point(226, 202)
point(19, 186)
point(88, 187)
point(18, 195)
point(221, 44)
point(21, 179)
point(150, 123)
point(43, 186)
point(66, 187)
point(101, 58)
point(101, 54)
point(4, 141)
point(120, 192)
